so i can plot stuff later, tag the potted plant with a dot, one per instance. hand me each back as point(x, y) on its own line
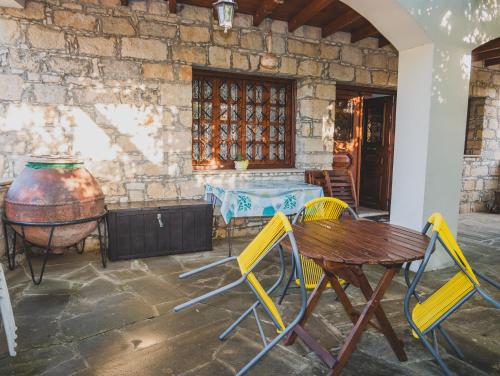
point(240, 163)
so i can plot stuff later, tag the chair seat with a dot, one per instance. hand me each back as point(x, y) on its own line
point(440, 302)
point(312, 274)
point(266, 299)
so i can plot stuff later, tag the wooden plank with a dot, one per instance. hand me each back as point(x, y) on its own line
point(172, 6)
point(491, 45)
point(307, 13)
point(382, 42)
point(491, 62)
point(265, 10)
point(311, 303)
point(364, 32)
point(486, 55)
point(359, 242)
point(340, 22)
point(372, 306)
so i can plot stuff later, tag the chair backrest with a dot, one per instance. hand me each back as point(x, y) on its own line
point(339, 183)
point(266, 240)
point(440, 226)
point(323, 208)
point(316, 177)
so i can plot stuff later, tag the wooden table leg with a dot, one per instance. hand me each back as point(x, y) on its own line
point(311, 303)
point(344, 299)
point(396, 344)
point(368, 311)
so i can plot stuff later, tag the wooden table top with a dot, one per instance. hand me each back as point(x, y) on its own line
point(359, 242)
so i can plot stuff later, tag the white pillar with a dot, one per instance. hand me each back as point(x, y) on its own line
point(433, 87)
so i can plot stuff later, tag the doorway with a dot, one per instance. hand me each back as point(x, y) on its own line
point(364, 135)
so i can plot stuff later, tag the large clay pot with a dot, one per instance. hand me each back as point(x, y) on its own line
point(54, 189)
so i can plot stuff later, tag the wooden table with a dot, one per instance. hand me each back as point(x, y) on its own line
point(341, 248)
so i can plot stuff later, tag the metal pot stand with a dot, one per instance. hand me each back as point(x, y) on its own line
point(11, 248)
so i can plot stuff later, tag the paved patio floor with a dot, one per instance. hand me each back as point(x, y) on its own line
point(86, 320)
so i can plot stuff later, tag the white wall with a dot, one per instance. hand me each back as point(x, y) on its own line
point(434, 39)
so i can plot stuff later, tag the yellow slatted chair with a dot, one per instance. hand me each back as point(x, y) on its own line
point(318, 209)
point(270, 237)
point(428, 314)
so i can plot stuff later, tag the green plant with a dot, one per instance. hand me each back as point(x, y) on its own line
point(239, 158)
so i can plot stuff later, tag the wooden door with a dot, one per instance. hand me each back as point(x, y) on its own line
point(376, 152)
point(347, 132)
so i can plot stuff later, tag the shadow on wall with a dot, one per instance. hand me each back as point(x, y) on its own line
point(119, 143)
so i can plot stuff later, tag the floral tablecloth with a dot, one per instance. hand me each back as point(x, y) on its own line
point(261, 198)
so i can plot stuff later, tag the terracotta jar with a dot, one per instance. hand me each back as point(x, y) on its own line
point(54, 189)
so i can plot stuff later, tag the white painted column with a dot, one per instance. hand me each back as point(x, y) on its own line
point(433, 87)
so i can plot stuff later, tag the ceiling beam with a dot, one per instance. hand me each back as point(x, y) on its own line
point(382, 42)
point(363, 32)
point(309, 11)
point(491, 62)
point(265, 10)
point(491, 45)
point(172, 6)
point(486, 55)
point(340, 22)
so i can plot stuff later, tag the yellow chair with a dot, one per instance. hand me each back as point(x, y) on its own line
point(428, 314)
point(269, 238)
point(318, 209)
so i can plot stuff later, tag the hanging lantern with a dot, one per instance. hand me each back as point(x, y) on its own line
point(225, 13)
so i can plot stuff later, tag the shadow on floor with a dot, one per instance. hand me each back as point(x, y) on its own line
point(85, 320)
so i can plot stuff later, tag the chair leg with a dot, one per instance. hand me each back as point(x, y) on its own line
point(488, 298)
point(252, 308)
point(208, 295)
point(436, 355)
point(288, 282)
point(435, 341)
point(450, 342)
point(238, 321)
point(260, 301)
point(259, 325)
point(264, 351)
point(206, 267)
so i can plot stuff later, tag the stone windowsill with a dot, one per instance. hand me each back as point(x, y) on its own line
point(250, 172)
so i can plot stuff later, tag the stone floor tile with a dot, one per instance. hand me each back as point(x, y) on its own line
point(85, 320)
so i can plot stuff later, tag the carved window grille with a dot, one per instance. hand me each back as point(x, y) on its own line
point(251, 117)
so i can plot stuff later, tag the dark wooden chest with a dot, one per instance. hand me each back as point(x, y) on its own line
point(156, 228)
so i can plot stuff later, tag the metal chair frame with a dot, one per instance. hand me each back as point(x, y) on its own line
point(299, 218)
point(253, 308)
point(412, 284)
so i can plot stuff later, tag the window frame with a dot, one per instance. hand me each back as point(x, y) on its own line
point(469, 151)
point(290, 122)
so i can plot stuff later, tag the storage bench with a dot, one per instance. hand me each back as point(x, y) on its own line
point(155, 228)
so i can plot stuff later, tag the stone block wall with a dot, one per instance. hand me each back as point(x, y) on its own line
point(113, 84)
point(481, 172)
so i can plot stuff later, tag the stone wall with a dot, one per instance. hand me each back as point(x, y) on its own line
point(481, 173)
point(113, 84)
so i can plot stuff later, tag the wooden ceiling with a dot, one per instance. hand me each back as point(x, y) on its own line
point(329, 15)
point(488, 52)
